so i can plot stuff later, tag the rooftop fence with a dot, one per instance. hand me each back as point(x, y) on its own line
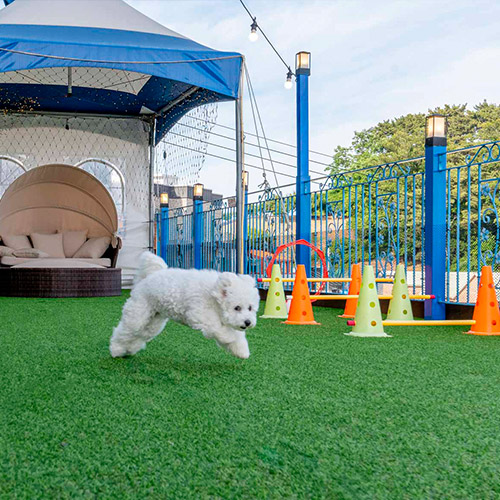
point(373, 215)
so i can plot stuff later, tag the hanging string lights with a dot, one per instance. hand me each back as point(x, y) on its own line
point(253, 37)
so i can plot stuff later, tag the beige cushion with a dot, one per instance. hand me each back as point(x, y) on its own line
point(13, 261)
point(6, 251)
point(93, 248)
point(30, 253)
point(16, 241)
point(51, 244)
point(72, 241)
point(62, 263)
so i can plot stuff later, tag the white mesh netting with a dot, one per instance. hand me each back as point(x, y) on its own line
point(181, 154)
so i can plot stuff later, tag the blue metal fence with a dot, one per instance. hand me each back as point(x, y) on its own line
point(179, 248)
point(373, 215)
point(473, 231)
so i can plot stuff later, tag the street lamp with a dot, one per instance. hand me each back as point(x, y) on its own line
point(303, 63)
point(197, 225)
point(198, 192)
point(436, 130)
point(244, 176)
point(163, 233)
point(164, 200)
point(303, 180)
point(435, 216)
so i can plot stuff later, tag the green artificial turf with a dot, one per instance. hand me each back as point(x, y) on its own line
point(311, 414)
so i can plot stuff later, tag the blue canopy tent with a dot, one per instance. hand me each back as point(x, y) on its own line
point(104, 58)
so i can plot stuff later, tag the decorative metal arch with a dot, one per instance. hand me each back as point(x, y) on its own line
point(16, 162)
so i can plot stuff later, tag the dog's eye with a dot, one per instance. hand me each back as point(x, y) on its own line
point(237, 308)
point(249, 308)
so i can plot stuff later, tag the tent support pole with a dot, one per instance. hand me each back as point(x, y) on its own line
point(240, 199)
point(152, 135)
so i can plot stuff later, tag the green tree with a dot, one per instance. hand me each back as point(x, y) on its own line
point(403, 137)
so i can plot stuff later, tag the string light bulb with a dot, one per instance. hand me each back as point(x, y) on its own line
point(288, 81)
point(253, 36)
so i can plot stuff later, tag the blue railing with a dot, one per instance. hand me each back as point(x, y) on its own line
point(372, 215)
point(473, 234)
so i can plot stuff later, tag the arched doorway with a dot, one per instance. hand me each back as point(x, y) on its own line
point(111, 176)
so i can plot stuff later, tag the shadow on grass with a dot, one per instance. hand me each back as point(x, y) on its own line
point(138, 367)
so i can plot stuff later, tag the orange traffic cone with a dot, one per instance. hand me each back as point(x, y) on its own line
point(354, 288)
point(486, 313)
point(301, 312)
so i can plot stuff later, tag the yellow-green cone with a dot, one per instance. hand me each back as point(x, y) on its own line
point(276, 301)
point(368, 315)
point(400, 305)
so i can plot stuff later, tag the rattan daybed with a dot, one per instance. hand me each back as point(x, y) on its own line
point(47, 208)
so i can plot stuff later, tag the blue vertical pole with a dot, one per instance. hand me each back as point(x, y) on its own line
point(163, 232)
point(245, 233)
point(303, 181)
point(158, 229)
point(435, 226)
point(197, 232)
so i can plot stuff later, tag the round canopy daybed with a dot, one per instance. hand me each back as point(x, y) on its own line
point(59, 200)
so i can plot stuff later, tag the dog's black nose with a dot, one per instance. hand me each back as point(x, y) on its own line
point(248, 322)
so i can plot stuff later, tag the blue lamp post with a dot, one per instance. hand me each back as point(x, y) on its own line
point(163, 225)
point(303, 191)
point(197, 224)
point(435, 216)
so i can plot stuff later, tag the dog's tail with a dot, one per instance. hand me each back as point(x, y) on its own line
point(149, 263)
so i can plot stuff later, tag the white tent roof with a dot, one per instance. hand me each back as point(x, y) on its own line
point(109, 14)
point(104, 57)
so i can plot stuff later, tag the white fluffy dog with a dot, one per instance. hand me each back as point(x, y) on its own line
point(221, 305)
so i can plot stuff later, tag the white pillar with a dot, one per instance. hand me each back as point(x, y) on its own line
point(240, 197)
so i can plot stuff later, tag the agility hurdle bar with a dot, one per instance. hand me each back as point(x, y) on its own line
point(381, 297)
point(430, 322)
point(319, 280)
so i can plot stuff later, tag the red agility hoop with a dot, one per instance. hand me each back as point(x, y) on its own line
point(319, 252)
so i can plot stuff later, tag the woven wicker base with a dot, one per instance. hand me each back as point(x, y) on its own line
point(59, 282)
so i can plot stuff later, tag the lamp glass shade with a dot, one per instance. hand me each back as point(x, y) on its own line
point(198, 190)
point(436, 126)
point(303, 60)
point(164, 198)
point(244, 176)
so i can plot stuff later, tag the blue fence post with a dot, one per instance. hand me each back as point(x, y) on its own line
point(197, 225)
point(158, 229)
point(162, 228)
point(163, 231)
point(435, 217)
point(303, 181)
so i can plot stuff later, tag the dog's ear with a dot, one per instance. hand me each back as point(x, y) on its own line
point(249, 280)
point(222, 286)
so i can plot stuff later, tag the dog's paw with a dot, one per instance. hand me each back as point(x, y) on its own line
point(239, 349)
point(120, 351)
point(117, 351)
